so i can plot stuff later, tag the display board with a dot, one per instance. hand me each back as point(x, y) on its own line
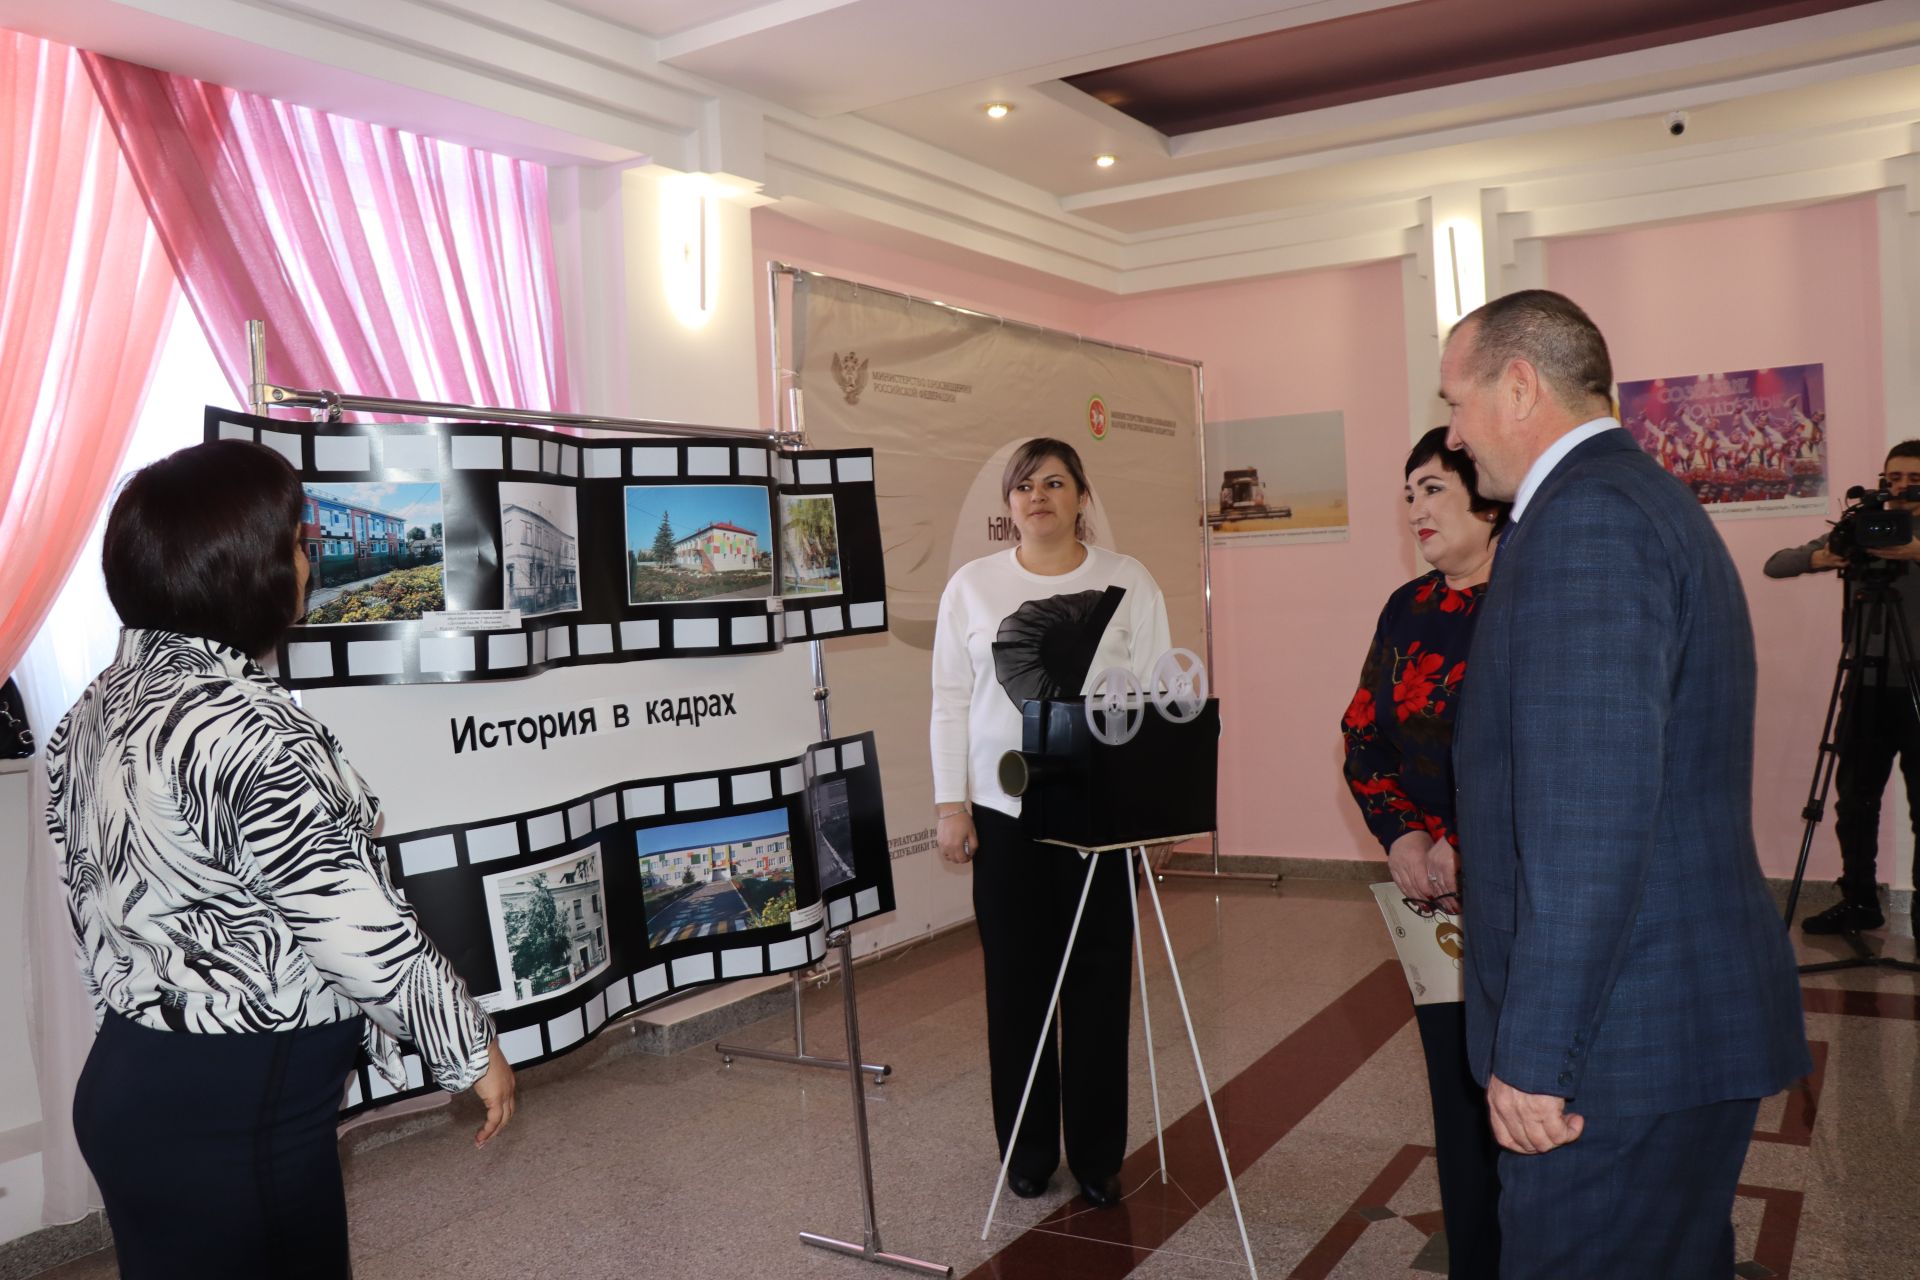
point(561, 918)
point(942, 397)
point(582, 834)
point(447, 553)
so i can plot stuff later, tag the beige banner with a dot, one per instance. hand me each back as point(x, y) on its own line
point(943, 398)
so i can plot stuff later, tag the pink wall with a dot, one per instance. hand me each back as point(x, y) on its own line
point(1793, 287)
point(1292, 623)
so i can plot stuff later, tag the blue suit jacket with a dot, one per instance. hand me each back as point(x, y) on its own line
point(1623, 950)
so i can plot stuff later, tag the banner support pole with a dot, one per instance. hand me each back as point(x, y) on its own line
point(795, 437)
point(869, 1248)
point(1206, 598)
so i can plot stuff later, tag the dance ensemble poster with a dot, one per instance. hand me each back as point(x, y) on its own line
point(1748, 443)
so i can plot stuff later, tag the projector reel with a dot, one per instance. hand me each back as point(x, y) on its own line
point(1115, 706)
point(1179, 685)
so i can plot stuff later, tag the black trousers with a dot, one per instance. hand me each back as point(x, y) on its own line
point(1633, 1196)
point(216, 1154)
point(1024, 894)
point(1463, 1147)
point(1883, 727)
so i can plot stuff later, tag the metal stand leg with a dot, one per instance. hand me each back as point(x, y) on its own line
point(870, 1248)
point(1164, 871)
point(1146, 1018)
point(799, 1057)
point(1046, 1030)
point(1206, 1090)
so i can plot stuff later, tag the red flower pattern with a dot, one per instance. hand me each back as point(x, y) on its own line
point(1423, 686)
point(1416, 683)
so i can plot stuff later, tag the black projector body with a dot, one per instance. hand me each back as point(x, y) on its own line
point(1076, 790)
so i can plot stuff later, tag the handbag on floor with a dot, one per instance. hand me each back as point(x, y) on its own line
point(16, 738)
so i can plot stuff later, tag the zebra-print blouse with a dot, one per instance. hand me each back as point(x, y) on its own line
point(220, 867)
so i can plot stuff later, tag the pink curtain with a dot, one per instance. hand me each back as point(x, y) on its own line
point(85, 295)
point(384, 263)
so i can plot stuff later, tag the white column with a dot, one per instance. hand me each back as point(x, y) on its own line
point(1458, 222)
point(589, 247)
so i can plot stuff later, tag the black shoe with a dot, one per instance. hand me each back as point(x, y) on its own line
point(1844, 917)
point(1026, 1188)
point(1102, 1194)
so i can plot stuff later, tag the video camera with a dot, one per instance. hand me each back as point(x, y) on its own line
point(1867, 523)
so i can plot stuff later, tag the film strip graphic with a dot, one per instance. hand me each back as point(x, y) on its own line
point(472, 887)
point(471, 475)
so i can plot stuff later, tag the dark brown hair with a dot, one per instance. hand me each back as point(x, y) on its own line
point(1027, 459)
point(1905, 449)
point(1432, 447)
point(1549, 331)
point(201, 543)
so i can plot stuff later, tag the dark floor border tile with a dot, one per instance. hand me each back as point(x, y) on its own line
point(1257, 1108)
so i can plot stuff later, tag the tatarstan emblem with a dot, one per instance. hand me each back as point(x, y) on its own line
point(851, 373)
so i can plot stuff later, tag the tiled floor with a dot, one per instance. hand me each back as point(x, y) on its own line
point(639, 1166)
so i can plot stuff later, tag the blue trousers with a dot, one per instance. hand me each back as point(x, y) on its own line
point(215, 1153)
point(1465, 1154)
point(1632, 1196)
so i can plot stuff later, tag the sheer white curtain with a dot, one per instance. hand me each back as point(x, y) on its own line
point(74, 643)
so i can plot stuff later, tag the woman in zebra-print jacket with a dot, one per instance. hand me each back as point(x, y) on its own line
point(236, 927)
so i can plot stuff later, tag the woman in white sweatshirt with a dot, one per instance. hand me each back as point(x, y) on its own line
point(1041, 620)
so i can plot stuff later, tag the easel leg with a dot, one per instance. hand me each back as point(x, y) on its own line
point(1199, 1068)
point(1046, 1029)
point(1146, 1017)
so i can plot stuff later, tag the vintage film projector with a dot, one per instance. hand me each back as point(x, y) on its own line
point(1110, 773)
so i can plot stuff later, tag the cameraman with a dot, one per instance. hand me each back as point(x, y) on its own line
point(1882, 713)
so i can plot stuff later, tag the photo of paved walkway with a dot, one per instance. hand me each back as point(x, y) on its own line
point(712, 908)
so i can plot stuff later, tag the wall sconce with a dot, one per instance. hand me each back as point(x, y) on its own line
point(1459, 270)
point(689, 247)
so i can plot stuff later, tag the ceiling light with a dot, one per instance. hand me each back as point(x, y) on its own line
point(1106, 161)
point(998, 110)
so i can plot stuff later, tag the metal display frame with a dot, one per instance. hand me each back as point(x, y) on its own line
point(328, 405)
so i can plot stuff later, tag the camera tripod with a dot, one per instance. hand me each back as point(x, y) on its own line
point(1871, 608)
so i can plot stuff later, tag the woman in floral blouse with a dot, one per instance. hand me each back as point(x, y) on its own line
point(1399, 741)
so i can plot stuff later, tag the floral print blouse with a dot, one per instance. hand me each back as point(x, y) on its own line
point(1399, 726)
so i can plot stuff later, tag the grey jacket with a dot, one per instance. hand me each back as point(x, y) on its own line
point(1791, 562)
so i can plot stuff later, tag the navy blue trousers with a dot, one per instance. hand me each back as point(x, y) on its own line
point(1632, 1196)
point(1464, 1152)
point(216, 1154)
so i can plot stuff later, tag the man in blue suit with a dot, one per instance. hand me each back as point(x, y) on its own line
point(1631, 992)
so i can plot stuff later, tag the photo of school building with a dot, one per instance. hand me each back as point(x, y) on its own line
point(718, 547)
point(539, 548)
point(346, 542)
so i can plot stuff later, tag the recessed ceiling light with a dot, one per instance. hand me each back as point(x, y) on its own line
point(1106, 161)
point(998, 110)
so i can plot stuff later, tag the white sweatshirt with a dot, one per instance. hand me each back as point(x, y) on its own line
point(975, 721)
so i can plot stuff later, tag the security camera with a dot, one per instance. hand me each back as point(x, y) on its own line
point(1676, 123)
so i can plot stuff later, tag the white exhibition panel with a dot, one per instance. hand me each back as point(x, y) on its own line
point(403, 738)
